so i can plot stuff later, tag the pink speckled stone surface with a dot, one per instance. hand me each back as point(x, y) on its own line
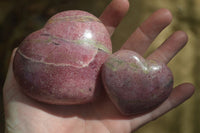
point(136, 85)
point(60, 63)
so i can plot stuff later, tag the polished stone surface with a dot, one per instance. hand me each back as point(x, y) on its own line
point(136, 85)
point(60, 63)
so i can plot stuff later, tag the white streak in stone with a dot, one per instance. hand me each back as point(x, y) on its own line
point(59, 64)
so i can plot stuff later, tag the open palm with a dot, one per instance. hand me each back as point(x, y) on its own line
point(24, 115)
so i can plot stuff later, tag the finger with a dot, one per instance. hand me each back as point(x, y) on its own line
point(8, 82)
point(114, 13)
point(144, 35)
point(170, 47)
point(11, 59)
point(180, 94)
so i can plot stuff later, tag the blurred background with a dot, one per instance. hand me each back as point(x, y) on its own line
point(18, 18)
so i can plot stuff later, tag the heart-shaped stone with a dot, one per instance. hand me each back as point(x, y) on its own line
point(60, 63)
point(136, 85)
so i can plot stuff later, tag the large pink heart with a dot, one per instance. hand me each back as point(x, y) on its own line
point(136, 85)
point(60, 63)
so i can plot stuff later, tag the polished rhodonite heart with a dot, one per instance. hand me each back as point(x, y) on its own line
point(136, 85)
point(60, 63)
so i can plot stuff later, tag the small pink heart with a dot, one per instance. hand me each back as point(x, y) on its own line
point(136, 85)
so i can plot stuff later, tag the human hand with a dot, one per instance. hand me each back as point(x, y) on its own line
point(25, 115)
